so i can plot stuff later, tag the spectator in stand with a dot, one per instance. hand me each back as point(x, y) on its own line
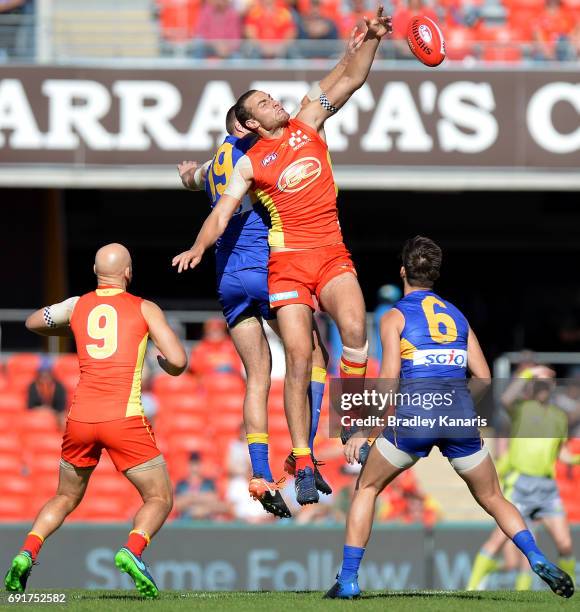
point(178, 19)
point(271, 28)
point(45, 391)
point(196, 496)
point(551, 32)
point(219, 30)
point(314, 26)
point(215, 353)
point(238, 460)
point(359, 9)
point(10, 26)
point(401, 19)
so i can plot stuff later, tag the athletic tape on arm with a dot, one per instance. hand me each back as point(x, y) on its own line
point(59, 314)
point(237, 186)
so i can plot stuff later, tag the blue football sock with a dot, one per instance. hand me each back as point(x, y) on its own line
point(259, 459)
point(315, 395)
point(525, 541)
point(351, 561)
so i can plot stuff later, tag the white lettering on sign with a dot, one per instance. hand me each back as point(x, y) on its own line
point(75, 112)
point(146, 111)
point(396, 112)
point(539, 117)
point(468, 106)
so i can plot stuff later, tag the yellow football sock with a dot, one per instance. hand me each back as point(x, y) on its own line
point(257, 438)
point(524, 581)
point(482, 566)
point(301, 452)
point(568, 564)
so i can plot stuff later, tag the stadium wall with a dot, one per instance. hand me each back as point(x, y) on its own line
point(406, 128)
point(280, 557)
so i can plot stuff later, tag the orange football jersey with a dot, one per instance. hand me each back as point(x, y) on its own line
point(111, 337)
point(293, 180)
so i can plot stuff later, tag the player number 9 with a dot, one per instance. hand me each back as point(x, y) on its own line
point(102, 326)
point(442, 327)
point(222, 166)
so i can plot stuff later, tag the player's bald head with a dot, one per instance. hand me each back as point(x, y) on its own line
point(112, 260)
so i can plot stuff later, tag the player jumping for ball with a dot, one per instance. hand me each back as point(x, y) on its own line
point(111, 328)
point(428, 344)
point(242, 281)
point(289, 170)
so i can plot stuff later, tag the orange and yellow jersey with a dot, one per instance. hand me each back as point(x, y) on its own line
point(111, 337)
point(293, 180)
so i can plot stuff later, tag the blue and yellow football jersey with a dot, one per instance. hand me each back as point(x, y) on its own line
point(434, 339)
point(244, 244)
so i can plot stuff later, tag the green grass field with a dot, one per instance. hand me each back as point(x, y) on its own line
point(423, 601)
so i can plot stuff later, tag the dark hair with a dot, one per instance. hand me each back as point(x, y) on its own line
point(242, 113)
point(422, 261)
point(231, 120)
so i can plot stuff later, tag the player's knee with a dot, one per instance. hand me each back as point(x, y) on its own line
point(564, 545)
point(298, 362)
point(354, 333)
point(70, 499)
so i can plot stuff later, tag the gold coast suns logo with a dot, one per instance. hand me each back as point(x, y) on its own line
point(300, 174)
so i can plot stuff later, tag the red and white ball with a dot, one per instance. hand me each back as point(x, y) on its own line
point(426, 41)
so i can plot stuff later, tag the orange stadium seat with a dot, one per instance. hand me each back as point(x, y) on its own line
point(222, 383)
point(109, 484)
point(39, 420)
point(21, 368)
point(101, 508)
point(106, 465)
point(277, 423)
point(40, 462)
point(42, 441)
point(163, 384)
point(4, 383)
point(182, 402)
point(187, 443)
point(10, 464)
point(9, 442)
point(227, 402)
point(12, 401)
point(15, 486)
point(276, 403)
point(225, 423)
point(66, 365)
point(14, 509)
point(183, 422)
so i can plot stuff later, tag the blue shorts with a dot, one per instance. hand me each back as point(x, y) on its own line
point(244, 292)
point(452, 448)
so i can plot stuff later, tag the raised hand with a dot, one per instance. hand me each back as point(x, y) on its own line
point(355, 41)
point(379, 25)
point(187, 259)
point(186, 171)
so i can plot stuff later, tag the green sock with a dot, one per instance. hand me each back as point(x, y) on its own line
point(524, 581)
point(482, 566)
point(568, 564)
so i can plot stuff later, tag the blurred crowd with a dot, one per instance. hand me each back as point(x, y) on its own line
point(481, 29)
point(487, 30)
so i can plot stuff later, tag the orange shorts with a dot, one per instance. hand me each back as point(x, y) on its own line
point(295, 276)
point(129, 442)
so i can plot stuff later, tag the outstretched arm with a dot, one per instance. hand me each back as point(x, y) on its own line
point(217, 221)
point(353, 76)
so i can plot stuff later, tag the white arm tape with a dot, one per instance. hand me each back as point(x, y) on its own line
point(312, 95)
point(199, 176)
point(314, 92)
point(60, 314)
point(237, 186)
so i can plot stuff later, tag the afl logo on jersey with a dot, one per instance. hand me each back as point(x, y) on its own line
point(300, 174)
point(269, 159)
